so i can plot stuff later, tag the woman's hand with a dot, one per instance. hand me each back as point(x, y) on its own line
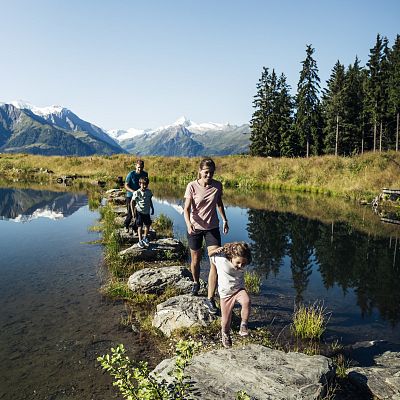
point(190, 229)
point(215, 251)
point(225, 226)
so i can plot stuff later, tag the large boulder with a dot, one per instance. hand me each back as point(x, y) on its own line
point(382, 378)
point(161, 249)
point(156, 280)
point(182, 311)
point(263, 373)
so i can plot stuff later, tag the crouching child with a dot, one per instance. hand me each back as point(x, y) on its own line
point(230, 261)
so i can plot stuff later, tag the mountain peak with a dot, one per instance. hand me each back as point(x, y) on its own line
point(41, 111)
point(182, 121)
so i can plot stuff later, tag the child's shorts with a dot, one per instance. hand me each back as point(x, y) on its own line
point(142, 219)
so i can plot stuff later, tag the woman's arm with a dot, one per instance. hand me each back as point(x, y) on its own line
point(213, 252)
point(186, 214)
point(221, 210)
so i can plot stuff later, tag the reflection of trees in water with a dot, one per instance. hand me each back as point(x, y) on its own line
point(269, 233)
point(345, 257)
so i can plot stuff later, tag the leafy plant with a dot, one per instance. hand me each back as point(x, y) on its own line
point(136, 381)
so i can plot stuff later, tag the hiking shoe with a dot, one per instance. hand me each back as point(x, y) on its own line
point(195, 288)
point(141, 244)
point(244, 330)
point(146, 242)
point(226, 340)
point(210, 304)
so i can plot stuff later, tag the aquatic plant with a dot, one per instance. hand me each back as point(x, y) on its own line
point(309, 322)
point(136, 381)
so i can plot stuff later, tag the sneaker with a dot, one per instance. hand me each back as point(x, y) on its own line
point(146, 242)
point(195, 288)
point(141, 244)
point(210, 304)
point(226, 340)
point(127, 229)
point(244, 330)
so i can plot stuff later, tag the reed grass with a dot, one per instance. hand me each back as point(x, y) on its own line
point(252, 282)
point(309, 322)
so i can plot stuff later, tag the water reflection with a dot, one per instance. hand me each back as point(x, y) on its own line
point(345, 257)
point(23, 205)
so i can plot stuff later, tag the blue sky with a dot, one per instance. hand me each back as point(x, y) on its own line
point(142, 64)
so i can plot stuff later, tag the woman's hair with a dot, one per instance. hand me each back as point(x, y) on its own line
point(237, 249)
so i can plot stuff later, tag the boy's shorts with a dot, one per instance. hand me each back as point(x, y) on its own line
point(212, 237)
point(142, 219)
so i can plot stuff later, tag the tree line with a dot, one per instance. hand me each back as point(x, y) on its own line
point(358, 110)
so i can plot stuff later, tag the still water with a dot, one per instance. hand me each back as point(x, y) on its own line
point(54, 322)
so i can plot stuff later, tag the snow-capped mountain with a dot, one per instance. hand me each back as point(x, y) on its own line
point(185, 138)
point(52, 130)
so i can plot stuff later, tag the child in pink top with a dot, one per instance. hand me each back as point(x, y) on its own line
point(230, 261)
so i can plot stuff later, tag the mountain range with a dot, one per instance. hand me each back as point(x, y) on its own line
point(55, 130)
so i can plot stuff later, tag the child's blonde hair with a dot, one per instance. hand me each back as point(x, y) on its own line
point(237, 249)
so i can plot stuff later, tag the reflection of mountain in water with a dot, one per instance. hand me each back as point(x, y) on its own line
point(22, 205)
point(344, 257)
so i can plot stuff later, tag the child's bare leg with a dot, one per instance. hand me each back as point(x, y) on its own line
point(244, 300)
point(146, 231)
point(139, 232)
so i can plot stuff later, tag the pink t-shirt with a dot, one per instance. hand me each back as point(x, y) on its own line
point(203, 210)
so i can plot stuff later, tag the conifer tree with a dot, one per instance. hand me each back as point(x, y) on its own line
point(394, 91)
point(333, 109)
point(375, 88)
point(307, 107)
point(289, 142)
point(353, 100)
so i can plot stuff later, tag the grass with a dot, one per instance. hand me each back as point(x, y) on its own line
point(309, 322)
point(163, 225)
point(252, 282)
point(351, 177)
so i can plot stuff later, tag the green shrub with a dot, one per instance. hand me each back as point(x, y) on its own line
point(135, 380)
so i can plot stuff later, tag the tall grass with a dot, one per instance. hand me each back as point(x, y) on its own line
point(309, 322)
point(352, 177)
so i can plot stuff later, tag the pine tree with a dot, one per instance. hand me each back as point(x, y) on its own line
point(258, 120)
point(289, 142)
point(333, 109)
point(307, 107)
point(375, 90)
point(394, 91)
point(353, 100)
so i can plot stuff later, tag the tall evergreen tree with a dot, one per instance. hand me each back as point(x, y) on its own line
point(333, 108)
point(353, 100)
point(394, 92)
point(307, 106)
point(289, 142)
point(375, 88)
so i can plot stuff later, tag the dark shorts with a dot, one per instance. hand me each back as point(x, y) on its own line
point(212, 237)
point(142, 219)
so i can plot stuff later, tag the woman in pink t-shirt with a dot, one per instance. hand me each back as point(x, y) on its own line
point(203, 197)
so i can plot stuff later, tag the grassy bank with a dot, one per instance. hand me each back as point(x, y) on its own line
point(352, 177)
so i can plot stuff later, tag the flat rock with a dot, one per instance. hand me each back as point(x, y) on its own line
point(131, 238)
point(161, 249)
point(182, 311)
point(382, 379)
point(156, 280)
point(119, 210)
point(263, 373)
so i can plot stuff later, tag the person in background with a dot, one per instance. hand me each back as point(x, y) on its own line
point(230, 261)
point(143, 204)
point(202, 199)
point(131, 185)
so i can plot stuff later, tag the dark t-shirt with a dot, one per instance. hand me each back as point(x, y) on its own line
point(132, 180)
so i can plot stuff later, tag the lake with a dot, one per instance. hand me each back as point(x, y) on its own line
point(54, 322)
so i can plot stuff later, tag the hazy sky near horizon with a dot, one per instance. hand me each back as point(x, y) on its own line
point(142, 64)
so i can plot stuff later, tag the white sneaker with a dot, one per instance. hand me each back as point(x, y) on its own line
point(146, 242)
point(141, 244)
